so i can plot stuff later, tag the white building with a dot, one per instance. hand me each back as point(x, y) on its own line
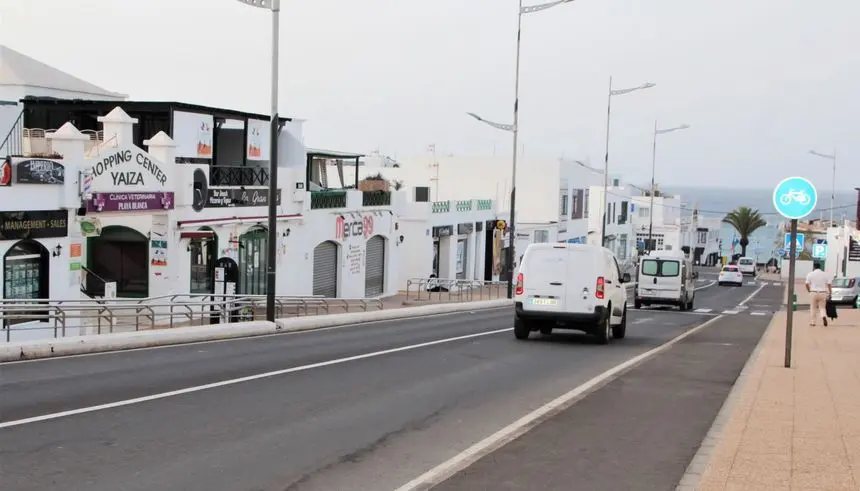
point(22, 76)
point(665, 229)
point(619, 226)
point(178, 218)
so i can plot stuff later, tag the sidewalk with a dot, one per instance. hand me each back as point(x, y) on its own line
point(793, 428)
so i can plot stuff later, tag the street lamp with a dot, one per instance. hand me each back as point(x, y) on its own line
point(653, 169)
point(513, 128)
point(275, 7)
point(612, 92)
point(833, 188)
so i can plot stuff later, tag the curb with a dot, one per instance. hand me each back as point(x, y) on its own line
point(80, 345)
point(699, 464)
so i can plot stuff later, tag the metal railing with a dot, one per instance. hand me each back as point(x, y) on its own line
point(328, 199)
point(226, 175)
point(13, 143)
point(454, 290)
point(101, 316)
point(376, 198)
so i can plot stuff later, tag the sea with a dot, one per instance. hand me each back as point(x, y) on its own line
point(717, 202)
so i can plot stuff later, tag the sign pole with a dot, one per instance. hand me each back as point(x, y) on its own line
point(789, 319)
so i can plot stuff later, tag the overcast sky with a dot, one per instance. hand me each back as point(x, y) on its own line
point(761, 82)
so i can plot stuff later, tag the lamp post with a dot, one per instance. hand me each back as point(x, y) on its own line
point(653, 169)
point(271, 242)
point(833, 186)
point(612, 92)
point(513, 128)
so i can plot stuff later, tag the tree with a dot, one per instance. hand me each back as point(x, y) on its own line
point(745, 221)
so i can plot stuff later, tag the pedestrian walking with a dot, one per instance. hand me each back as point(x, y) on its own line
point(819, 285)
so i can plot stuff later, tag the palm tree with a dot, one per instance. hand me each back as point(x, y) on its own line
point(746, 221)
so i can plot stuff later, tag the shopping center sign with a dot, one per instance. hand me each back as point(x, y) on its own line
point(128, 169)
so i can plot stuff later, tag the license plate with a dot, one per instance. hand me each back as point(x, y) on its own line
point(836, 297)
point(544, 301)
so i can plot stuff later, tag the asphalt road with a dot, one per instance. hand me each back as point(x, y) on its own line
point(372, 422)
point(640, 431)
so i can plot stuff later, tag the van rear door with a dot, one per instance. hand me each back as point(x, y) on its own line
point(585, 265)
point(545, 278)
point(660, 278)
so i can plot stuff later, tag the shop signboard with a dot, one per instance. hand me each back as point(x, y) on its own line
point(354, 228)
point(5, 173)
point(34, 224)
point(128, 169)
point(192, 134)
point(258, 137)
point(130, 202)
point(443, 231)
point(234, 197)
point(38, 171)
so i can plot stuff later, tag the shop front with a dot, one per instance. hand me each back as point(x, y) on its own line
point(30, 241)
point(441, 250)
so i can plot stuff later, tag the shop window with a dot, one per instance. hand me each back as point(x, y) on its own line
point(202, 252)
point(25, 275)
point(252, 262)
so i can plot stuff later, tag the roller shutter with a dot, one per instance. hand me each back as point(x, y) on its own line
point(374, 279)
point(325, 269)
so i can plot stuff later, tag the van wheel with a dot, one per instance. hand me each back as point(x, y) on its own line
point(683, 305)
point(546, 330)
point(619, 331)
point(604, 330)
point(690, 305)
point(521, 329)
point(637, 304)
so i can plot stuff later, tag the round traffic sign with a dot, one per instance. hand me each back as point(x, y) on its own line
point(780, 252)
point(795, 197)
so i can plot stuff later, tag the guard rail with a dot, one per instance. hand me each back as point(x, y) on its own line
point(99, 316)
point(454, 290)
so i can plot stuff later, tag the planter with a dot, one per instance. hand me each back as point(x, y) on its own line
point(373, 185)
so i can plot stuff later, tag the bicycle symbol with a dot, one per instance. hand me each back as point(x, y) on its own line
point(795, 196)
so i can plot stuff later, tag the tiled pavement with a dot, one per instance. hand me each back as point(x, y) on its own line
point(790, 429)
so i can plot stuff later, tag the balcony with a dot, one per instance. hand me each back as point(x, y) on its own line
point(321, 200)
point(376, 198)
point(485, 204)
point(223, 175)
point(463, 205)
point(440, 207)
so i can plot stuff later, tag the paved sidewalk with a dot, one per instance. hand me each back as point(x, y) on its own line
point(794, 428)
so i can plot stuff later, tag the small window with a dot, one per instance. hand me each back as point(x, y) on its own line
point(659, 267)
point(746, 261)
point(670, 268)
point(650, 267)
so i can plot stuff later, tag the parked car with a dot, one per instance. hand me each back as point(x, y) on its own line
point(845, 290)
point(667, 279)
point(570, 286)
point(730, 275)
point(747, 266)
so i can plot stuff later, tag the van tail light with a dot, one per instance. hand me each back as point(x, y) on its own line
point(851, 283)
point(601, 284)
point(520, 284)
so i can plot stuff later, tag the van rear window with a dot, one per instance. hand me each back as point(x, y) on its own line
point(746, 262)
point(659, 267)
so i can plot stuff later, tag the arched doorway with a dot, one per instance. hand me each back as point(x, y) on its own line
point(374, 271)
point(203, 251)
point(252, 261)
point(121, 254)
point(26, 273)
point(325, 269)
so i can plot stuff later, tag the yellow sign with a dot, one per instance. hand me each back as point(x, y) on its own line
point(500, 224)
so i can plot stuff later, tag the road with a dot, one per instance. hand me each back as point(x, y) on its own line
point(361, 407)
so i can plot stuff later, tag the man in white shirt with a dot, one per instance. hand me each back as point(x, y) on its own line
point(819, 285)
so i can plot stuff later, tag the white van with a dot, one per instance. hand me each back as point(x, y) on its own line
point(747, 266)
point(665, 278)
point(570, 286)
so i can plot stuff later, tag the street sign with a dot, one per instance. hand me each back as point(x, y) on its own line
point(794, 197)
point(819, 251)
point(781, 252)
point(800, 241)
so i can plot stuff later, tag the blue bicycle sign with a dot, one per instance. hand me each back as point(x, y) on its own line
point(795, 197)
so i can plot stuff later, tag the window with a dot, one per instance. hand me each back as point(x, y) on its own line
point(644, 212)
point(202, 254)
point(703, 237)
point(252, 262)
point(25, 275)
point(622, 219)
point(660, 267)
point(541, 236)
point(586, 194)
point(622, 247)
point(563, 205)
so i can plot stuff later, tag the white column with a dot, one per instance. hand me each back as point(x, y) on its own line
point(118, 126)
point(71, 144)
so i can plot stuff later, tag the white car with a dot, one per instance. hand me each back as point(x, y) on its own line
point(730, 275)
point(746, 265)
point(570, 286)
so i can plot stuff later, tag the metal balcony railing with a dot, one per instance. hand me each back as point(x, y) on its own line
point(226, 175)
point(376, 198)
point(485, 204)
point(13, 143)
point(328, 199)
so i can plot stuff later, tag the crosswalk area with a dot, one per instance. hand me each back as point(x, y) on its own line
point(748, 283)
point(761, 310)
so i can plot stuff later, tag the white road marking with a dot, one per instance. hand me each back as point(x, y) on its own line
point(223, 383)
point(640, 321)
point(759, 313)
point(703, 311)
point(729, 312)
point(519, 427)
point(712, 283)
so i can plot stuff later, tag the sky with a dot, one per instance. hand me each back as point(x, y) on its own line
point(760, 82)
